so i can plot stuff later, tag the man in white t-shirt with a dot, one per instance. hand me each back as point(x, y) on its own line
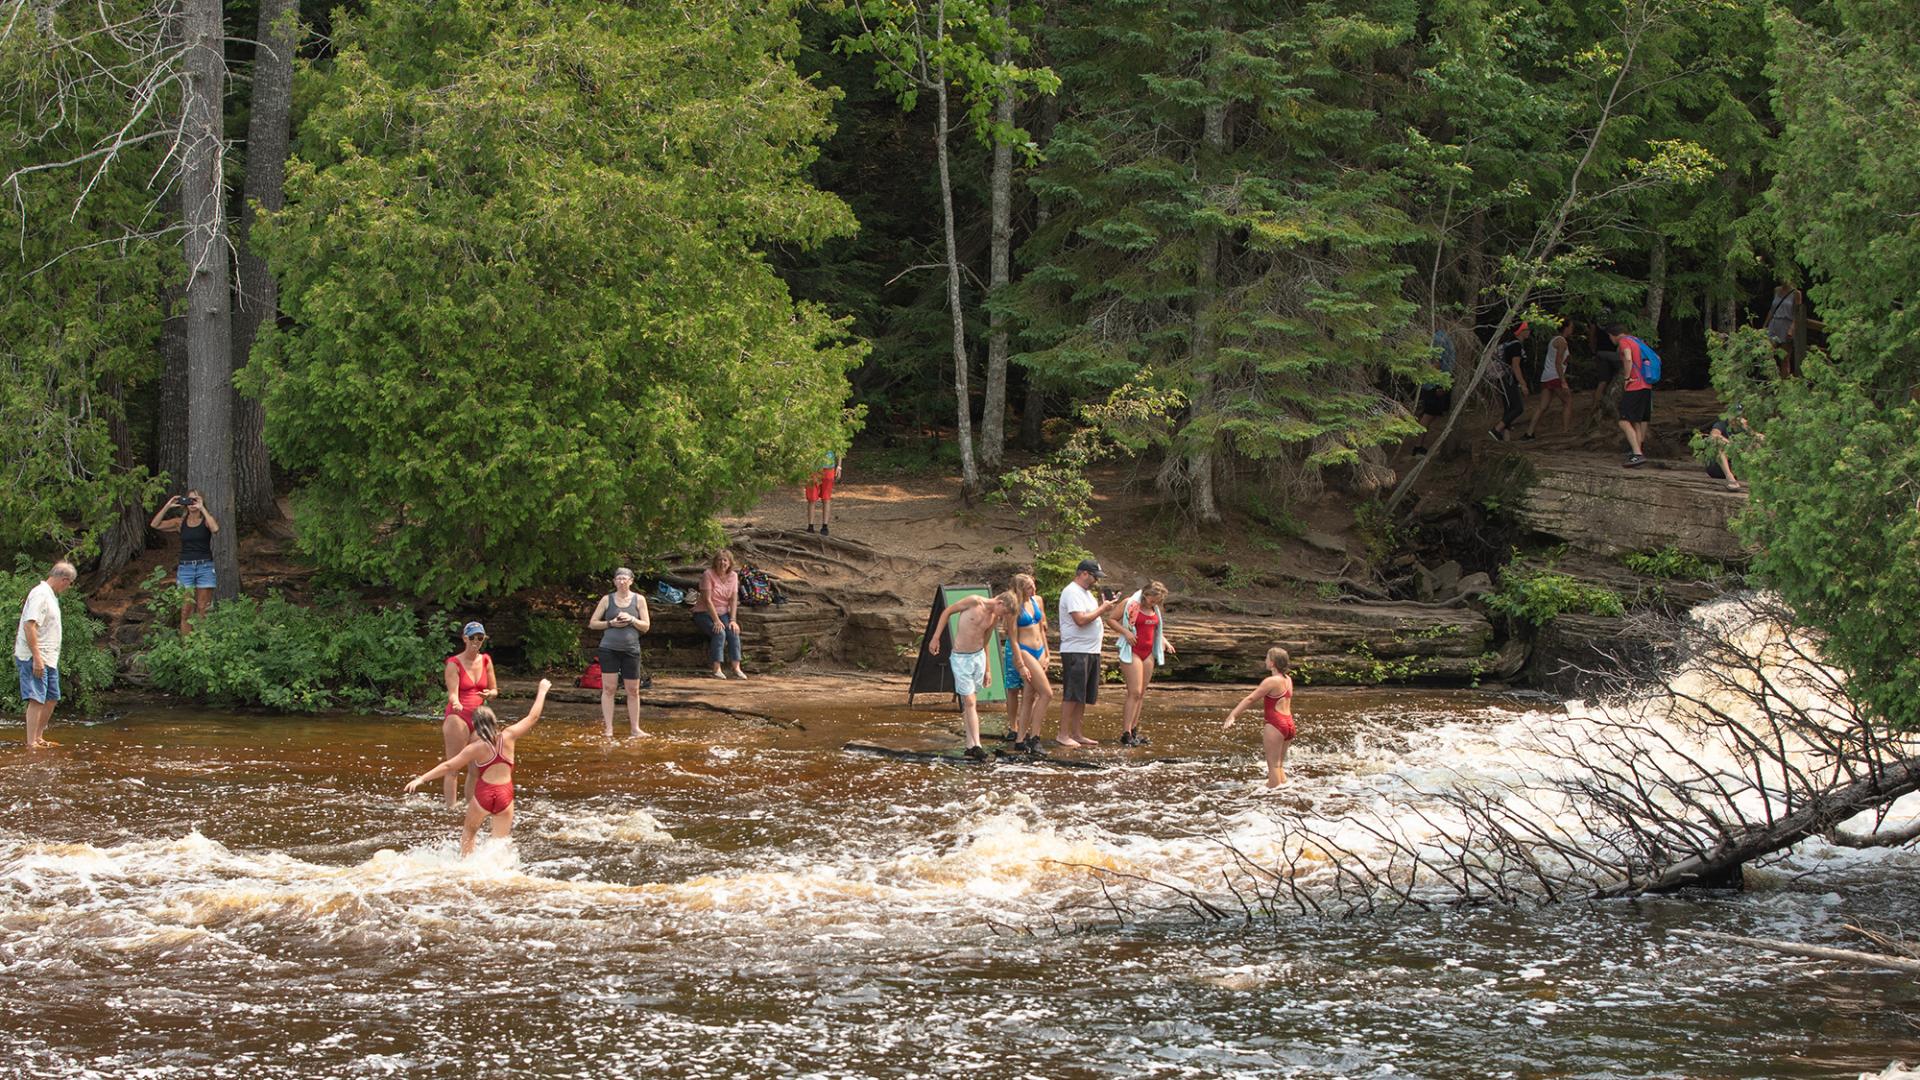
point(1082, 630)
point(36, 651)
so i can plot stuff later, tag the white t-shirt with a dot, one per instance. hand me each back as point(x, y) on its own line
point(43, 610)
point(1075, 638)
point(1555, 366)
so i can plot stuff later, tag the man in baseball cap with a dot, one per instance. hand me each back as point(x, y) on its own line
point(1082, 633)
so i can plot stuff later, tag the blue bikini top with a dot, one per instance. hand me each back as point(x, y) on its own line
point(1030, 612)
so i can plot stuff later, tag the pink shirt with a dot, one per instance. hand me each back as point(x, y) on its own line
point(1631, 352)
point(717, 593)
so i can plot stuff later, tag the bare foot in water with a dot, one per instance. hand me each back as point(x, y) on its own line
point(636, 733)
point(1064, 741)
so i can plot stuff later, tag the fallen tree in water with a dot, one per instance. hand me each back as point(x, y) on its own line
point(1749, 747)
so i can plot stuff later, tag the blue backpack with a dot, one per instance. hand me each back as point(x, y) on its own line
point(1649, 361)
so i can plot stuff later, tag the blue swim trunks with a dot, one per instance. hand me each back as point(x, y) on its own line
point(969, 671)
point(44, 688)
point(1011, 669)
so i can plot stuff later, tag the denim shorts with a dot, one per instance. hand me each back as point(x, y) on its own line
point(197, 574)
point(45, 688)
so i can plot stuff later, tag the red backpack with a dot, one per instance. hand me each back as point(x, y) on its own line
point(591, 678)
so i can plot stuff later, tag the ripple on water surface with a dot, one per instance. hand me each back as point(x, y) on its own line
point(255, 899)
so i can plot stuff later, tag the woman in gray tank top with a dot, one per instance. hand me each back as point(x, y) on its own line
point(621, 617)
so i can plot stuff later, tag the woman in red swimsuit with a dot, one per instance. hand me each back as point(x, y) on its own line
point(470, 684)
point(1276, 692)
point(492, 756)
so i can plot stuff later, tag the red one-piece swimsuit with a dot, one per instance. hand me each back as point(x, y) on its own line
point(1282, 721)
point(1146, 627)
point(494, 798)
point(470, 698)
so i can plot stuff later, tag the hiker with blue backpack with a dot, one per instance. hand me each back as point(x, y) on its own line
point(1641, 367)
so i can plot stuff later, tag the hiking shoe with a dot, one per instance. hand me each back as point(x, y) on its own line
point(809, 526)
point(1498, 435)
point(1034, 749)
point(823, 530)
point(1528, 437)
point(1141, 740)
point(1634, 461)
point(1126, 738)
point(977, 753)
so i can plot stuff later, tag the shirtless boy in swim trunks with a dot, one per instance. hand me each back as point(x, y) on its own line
point(978, 616)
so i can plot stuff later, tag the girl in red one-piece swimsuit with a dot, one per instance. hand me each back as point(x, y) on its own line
point(491, 754)
point(1276, 693)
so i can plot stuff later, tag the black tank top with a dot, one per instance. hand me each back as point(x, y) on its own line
point(196, 542)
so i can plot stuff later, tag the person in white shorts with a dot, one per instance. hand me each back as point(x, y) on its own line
point(978, 617)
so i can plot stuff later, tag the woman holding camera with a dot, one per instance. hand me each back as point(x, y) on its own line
point(196, 528)
point(622, 617)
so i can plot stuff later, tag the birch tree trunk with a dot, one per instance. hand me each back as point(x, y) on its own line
point(268, 132)
point(209, 306)
point(969, 470)
point(993, 415)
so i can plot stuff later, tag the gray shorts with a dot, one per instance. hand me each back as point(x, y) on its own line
point(1080, 677)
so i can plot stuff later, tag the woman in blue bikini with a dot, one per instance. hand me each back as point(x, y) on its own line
point(1023, 654)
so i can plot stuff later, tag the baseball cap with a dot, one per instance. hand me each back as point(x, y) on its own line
point(473, 629)
point(1090, 566)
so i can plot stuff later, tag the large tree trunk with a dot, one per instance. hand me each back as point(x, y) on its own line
point(1656, 285)
point(1877, 788)
point(1206, 280)
point(1034, 413)
point(170, 426)
point(993, 423)
point(209, 308)
point(126, 538)
point(969, 470)
point(268, 130)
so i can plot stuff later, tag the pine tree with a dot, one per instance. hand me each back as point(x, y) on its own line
point(1228, 217)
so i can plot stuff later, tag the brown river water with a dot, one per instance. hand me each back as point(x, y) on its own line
point(200, 894)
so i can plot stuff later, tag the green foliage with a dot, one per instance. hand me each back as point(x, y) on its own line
point(1259, 276)
point(1670, 563)
point(283, 656)
point(1379, 529)
point(534, 333)
point(551, 643)
point(1055, 495)
point(1539, 596)
point(79, 288)
point(86, 669)
point(1054, 567)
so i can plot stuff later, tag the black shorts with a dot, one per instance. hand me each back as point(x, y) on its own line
point(1080, 677)
point(1434, 401)
point(624, 664)
point(1636, 406)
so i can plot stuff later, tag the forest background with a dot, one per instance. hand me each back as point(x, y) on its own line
point(508, 292)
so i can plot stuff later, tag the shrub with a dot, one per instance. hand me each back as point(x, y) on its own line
point(280, 655)
point(86, 669)
point(1671, 563)
point(1054, 568)
point(1539, 596)
point(551, 642)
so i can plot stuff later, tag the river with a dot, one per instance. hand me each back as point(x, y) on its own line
point(196, 894)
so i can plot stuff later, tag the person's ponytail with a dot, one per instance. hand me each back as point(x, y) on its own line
point(486, 726)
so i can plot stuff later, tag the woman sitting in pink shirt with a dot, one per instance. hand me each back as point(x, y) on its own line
point(716, 611)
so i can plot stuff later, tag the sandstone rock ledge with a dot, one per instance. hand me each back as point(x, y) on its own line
point(1593, 503)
